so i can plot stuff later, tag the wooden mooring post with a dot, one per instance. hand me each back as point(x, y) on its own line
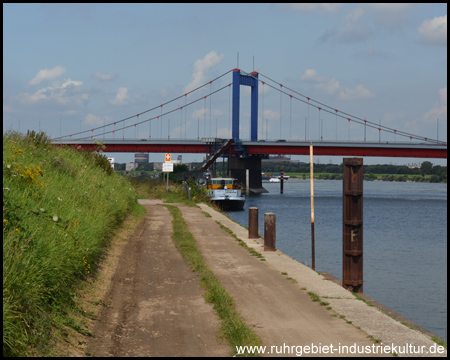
point(253, 223)
point(270, 220)
point(352, 239)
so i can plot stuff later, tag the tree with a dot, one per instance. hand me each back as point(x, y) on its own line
point(426, 167)
point(180, 168)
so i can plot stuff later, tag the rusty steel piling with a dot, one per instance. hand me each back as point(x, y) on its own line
point(352, 240)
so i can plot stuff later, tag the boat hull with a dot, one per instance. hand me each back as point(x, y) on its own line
point(229, 204)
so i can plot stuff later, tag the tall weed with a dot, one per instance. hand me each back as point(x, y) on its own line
point(60, 208)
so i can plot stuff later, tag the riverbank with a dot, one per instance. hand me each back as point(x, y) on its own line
point(377, 324)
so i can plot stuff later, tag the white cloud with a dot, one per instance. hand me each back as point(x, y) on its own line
point(198, 114)
point(104, 77)
point(69, 93)
point(434, 31)
point(439, 109)
point(71, 83)
point(201, 68)
point(364, 20)
point(309, 75)
point(46, 74)
point(121, 97)
point(391, 7)
point(332, 86)
point(359, 92)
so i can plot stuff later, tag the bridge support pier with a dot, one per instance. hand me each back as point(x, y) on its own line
point(238, 167)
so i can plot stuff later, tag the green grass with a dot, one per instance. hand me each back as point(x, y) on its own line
point(156, 189)
point(439, 342)
point(233, 327)
point(313, 296)
point(363, 300)
point(60, 208)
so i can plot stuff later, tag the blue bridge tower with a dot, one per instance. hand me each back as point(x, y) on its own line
point(238, 80)
point(239, 165)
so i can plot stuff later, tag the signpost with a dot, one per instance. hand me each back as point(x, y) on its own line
point(168, 167)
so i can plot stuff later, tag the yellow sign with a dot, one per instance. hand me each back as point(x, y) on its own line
point(168, 157)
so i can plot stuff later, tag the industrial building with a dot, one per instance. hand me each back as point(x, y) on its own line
point(141, 158)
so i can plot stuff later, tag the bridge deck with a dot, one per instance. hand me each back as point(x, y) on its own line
point(419, 150)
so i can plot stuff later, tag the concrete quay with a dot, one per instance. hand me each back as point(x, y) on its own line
point(369, 320)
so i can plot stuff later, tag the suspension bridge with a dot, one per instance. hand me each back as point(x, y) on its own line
point(149, 128)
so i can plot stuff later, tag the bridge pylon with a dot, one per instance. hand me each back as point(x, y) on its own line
point(252, 81)
point(239, 165)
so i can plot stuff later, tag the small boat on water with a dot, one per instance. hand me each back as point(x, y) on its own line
point(226, 193)
point(273, 178)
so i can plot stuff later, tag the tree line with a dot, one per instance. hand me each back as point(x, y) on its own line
point(426, 172)
point(436, 173)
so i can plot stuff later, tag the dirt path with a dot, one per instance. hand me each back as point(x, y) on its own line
point(155, 306)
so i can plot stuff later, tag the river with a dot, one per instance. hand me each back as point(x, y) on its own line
point(405, 239)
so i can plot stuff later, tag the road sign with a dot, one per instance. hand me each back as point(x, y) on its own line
point(168, 157)
point(168, 167)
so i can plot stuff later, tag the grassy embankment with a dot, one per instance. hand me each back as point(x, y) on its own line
point(60, 209)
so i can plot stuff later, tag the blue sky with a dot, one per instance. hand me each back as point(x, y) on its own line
point(67, 66)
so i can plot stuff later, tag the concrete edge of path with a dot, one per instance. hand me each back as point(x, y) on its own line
point(371, 320)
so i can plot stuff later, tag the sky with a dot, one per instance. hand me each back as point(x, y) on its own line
point(68, 67)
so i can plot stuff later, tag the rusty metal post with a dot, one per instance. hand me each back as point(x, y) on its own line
point(253, 223)
point(352, 240)
point(269, 231)
point(281, 181)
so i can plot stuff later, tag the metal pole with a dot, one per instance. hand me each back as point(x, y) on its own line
point(247, 181)
point(281, 182)
point(365, 123)
point(167, 182)
point(311, 167)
